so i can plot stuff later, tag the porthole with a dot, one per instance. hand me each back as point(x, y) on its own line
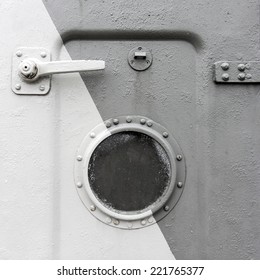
point(129, 172)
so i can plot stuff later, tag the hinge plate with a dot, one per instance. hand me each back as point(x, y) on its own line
point(237, 72)
point(39, 87)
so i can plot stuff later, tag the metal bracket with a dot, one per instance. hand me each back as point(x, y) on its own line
point(237, 72)
point(32, 70)
point(140, 58)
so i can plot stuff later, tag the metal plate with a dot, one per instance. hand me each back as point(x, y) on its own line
point(237, 72)
point(120, 218)
point(141, 63)
point(39, 87)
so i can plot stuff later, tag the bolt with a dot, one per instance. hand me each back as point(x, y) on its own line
point(241, 76)
point(92, 135)
point(42, 87)
point(79, 158)
point(79, 184)
point(165, 134)
point(139, 48)
point(18, 86)
point(241, 67)
point(150, 220)
point(225, 77)
point(179, 157)
point(108, 220)
point(149, 123)
point(92, 207)
point(166, 208)
point(142, 121)
point(143, 222)
point(43, 54)
point(249, 76)
point(225, 66)
point(115, 121)
point(179, 184)
point(108, 124)
point(19, 53)
point(128, 119)
point(116, 222)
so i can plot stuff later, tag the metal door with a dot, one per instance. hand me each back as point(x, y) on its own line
point(158, 87)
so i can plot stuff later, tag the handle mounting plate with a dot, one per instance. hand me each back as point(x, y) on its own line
point(42, 85)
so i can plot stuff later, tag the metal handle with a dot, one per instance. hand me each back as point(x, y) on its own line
point(32, 69)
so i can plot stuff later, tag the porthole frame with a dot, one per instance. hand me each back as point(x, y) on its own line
point(124, 219)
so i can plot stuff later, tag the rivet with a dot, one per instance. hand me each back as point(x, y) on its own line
point(43, 54)
point(79, 158)
point(179, 184)
point(249, 76)
point(18, 86)
point(129, 225)
point(108, 220)
point(128, 119)
point(149, 123)
point(143, 222)
point(115, 121)
point(92, 135)
point(42, 87)
point(19, 53)
point(165, 134)
point(225, 66)
point(142, 121)
point(79, 184)
point(241, 67)
point(225, 77)
point(92, 207)
point(166, 208)
point(108, 124)
point(150, 220)
point(241, 76)
point(179, 157)
point(116, 222)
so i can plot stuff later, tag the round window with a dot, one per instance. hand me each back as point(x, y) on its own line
point(129, 172)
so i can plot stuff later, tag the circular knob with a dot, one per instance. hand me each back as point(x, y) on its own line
point(28, 69)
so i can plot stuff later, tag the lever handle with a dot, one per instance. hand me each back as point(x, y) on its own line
point(32, 69)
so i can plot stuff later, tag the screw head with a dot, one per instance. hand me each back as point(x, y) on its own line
point(225, 66)
point(149, 123)
point(128, 119)
point(165, 134)
point(115, 222)
point(179, 157)
point(108, 220)
point(225, 77)
point(150, 220)
point(143, 222)
point(241, 67)
point(92, 207)
point(42, 87)
point(92, 135)
point(179, 184)
point(241, 76)
point(115, 121)
point(142, 121)
point(17, 86)
point(43, 54)
point(79, 184)
point(79, 158)
point(108, 124)
point(19, 53)
point(166, 208)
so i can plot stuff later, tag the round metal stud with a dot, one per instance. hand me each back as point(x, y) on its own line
point(143, 222)
point(115, 222)
point(92, 135)
point(166, 208)
point(241, 67)
point(19, 53)
point(241, 76)
point(225, 77)
point(116, 121)
point(79, 185)
point(179, 157)
point(79, 158)
point(92, 207)
point(43, 54)
point(248, 76)
point(42, 87)
point(17, 86)
point(225, 66)
point(108, 124)
point(149, 123)
point(128, 119)
point(142, 121)
point(179, 184)
point(108, 220)
point(165, 134)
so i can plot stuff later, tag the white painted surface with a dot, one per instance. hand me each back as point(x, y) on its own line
point(41, 215)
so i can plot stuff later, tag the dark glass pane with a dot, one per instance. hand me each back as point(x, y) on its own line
point(129, 171)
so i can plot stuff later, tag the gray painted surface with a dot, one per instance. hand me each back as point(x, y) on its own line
point(217, 126)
